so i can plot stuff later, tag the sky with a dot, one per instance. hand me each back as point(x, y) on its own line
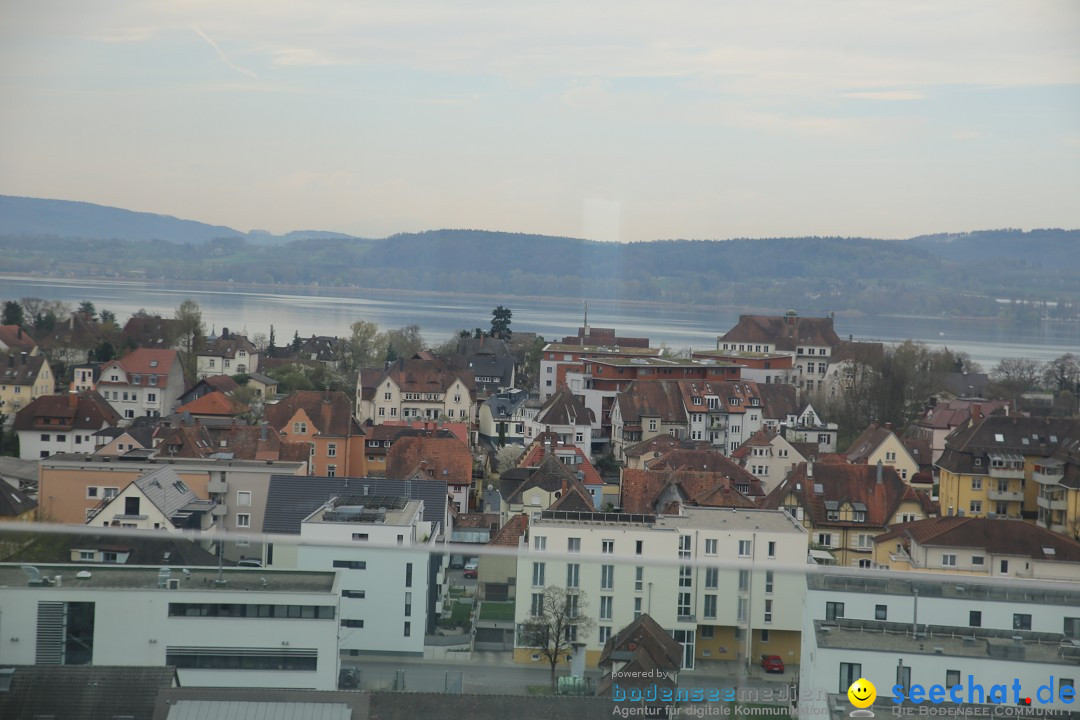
point(622, 121)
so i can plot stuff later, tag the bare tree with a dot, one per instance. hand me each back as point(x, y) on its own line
point(366, 346)
point(1062, 373)
point(1013, 377)
point(556, 622)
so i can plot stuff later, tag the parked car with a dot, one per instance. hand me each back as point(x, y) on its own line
point(772, 663)
point(471, 568)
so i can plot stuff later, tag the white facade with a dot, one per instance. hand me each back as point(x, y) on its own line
point(389, 403)
point(632, 566)
point(210, 364)
point(771, 463)
point(131, 399)
point(42, 443)
point(383, 571)
point(208, 631)
point(861, 625)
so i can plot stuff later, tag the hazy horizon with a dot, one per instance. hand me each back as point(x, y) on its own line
point(622, 122)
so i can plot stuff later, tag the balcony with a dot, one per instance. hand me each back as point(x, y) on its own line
point(1005, 495)
point(219, 510)
point(1051, 500)
point(1007, 472)
point(1048, 474)
point(217, 486)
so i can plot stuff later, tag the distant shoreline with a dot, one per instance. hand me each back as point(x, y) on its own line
point(327, 290)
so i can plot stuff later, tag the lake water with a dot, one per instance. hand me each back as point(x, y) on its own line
point(330, 311)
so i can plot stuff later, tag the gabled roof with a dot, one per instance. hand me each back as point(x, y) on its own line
point(997, 536)
point(534, 456)
point(870, 353)
point(784, 332)
point(151, 332)
point(706, 461)
point(77, 331)
point(503, 405)
point(833, 484)
point(955, 413)
point(426, 376)
point(14, 503)
point(164, 488)
point(646, 641)
point(657, 445)
point(221, 383)
point(444, 458)
point(869, 440)
point(16, 339)
point(291, 498)
point(143, 362)
point(564, 408)
point(324, 348)
point(921, 452)
point(228, 347)
point(84, 692)
point(653, 398)
point(214, 403)
point(64, 413)
point(510, 533)
point(330, 412)
point(552, 476)
point(762, 438)
point(1011, 435)
point(778, 400)
point(259, 377)
point(17, 369)
point(661, 491)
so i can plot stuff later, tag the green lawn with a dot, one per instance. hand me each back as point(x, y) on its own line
point(460, 612)
point(497, 611)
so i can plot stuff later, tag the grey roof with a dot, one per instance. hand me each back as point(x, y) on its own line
point(291, 498)
point(18, 469)
point(14, 503)
point(144, 547)
point(241, 710)
point(264, 379)
point(504, 405)
point(564, 408)
point(83, 692)
point(167, 491)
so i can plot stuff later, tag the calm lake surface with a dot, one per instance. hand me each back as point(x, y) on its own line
point(330, 311)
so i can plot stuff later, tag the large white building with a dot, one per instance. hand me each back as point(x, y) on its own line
point(921, 629)
point(415, 389)
point(719, 580)
point(258, 628)
point(381, 548)
point(144, 382)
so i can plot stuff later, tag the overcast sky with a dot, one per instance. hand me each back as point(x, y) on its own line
point(621, 120)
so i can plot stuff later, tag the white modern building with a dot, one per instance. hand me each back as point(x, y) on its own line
point(920, 629)
point(719, 580)
point(381, 548)
point(257, 628)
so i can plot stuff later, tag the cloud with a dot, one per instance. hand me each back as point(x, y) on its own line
point(887, 95)
point(224, 58)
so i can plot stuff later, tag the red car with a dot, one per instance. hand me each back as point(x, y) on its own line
point(772, 664)
point(470, 568)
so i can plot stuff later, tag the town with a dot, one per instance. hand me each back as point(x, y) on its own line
point(571, 520)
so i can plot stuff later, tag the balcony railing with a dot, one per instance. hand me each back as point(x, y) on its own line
point(1006, 495)
point(1007, 472)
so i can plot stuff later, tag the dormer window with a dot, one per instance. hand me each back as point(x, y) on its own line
point(697, 401)
point(735, 401)
point(153, 363)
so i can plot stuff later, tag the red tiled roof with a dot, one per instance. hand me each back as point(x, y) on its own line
point(224, 383)
point(510, 534)
point(534, 456)
point(426, 376)
point(651, 491)
point(85, 411)
point(785, 333)
point(330, 412)
point(143, 362)
point(707, 461)
point(16, 339)
point(868, 441)
point(652, 398)
point(441, 458)
point(995, 535)
point(214, 403)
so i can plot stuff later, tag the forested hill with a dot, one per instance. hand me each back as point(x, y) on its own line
point(958, 274)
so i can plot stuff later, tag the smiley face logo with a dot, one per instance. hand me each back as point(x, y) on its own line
point(862, 693)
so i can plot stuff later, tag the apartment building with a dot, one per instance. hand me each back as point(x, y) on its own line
point(717, 579)
point(240, 628)
point(878, 443)
point(416, 389)
point(914, 629)
point(54, 424)
point(145, 382)
point(324, 421)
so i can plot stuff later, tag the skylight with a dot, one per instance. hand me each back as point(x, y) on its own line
point(999, 437)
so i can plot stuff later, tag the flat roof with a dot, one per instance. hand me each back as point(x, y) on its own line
point(892, 637)
point(368, 510)
point(146, 578)
point(142, 462)
point(744, 354)
point(660, 362)
point(709, 518)
point(956, 587)
point(606, 349)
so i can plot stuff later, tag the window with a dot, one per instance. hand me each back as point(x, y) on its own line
point(607, 547)
point(1021, 621)
point(975, 618)
point(684, 546)
point(768, 581)
point(151, 397)
point(299, 428)
point(639, 547)
point(849, 673)
point(607, 577)
point(605, 633)
point(243, 498)
point(977, 560)
point(1066, 683)
point(243, 520)
point(408, 604)
point(744, 580)
point(764, 636)
point(637, 608)
point(91, 492)
point(976, 506)
point(331, 450)
point(351, 564)
point(952, 678)
point(740, 615)
point(537, 608)
point(354, 594)
point(744, 548)
point(605, 607)
point(835, 611)
point(976, 483)
point(710, 546)
point(110, 492)
point(408, 574)
point(1072, 628)
point(684, 604)
point(539, 543)
point(573, 575)
point(768, 611)
point(573, 545)
point(360, 537)
point(352, 623)
point(685, 576)
point(639, 578)
point(708, 631)
point(331, 471)
point(44, 438)
point(881, 612)
point(710, 606)
point(772, 548)
point(538, 574)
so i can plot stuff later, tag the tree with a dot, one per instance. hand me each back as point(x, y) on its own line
point(500, 322)
point(365, 347)
point(189, 324)
point(507, 456)
point(104, 352)
point(271, 345)
point(1062, 373)
point(405, 341)
point(1012, 377)
point(295, 340)
point(557, 621)
point(87, 310)
point(107, 317)
point(13, 314)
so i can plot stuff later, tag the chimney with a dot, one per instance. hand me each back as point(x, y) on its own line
point(547, 447)
point(262, 431)
point(73, 400)
point(23, 354)
point(879, 472)
point(888, 426)
point(809, 468)
point(224, 333)
point(20, 332)
point(976, 412)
